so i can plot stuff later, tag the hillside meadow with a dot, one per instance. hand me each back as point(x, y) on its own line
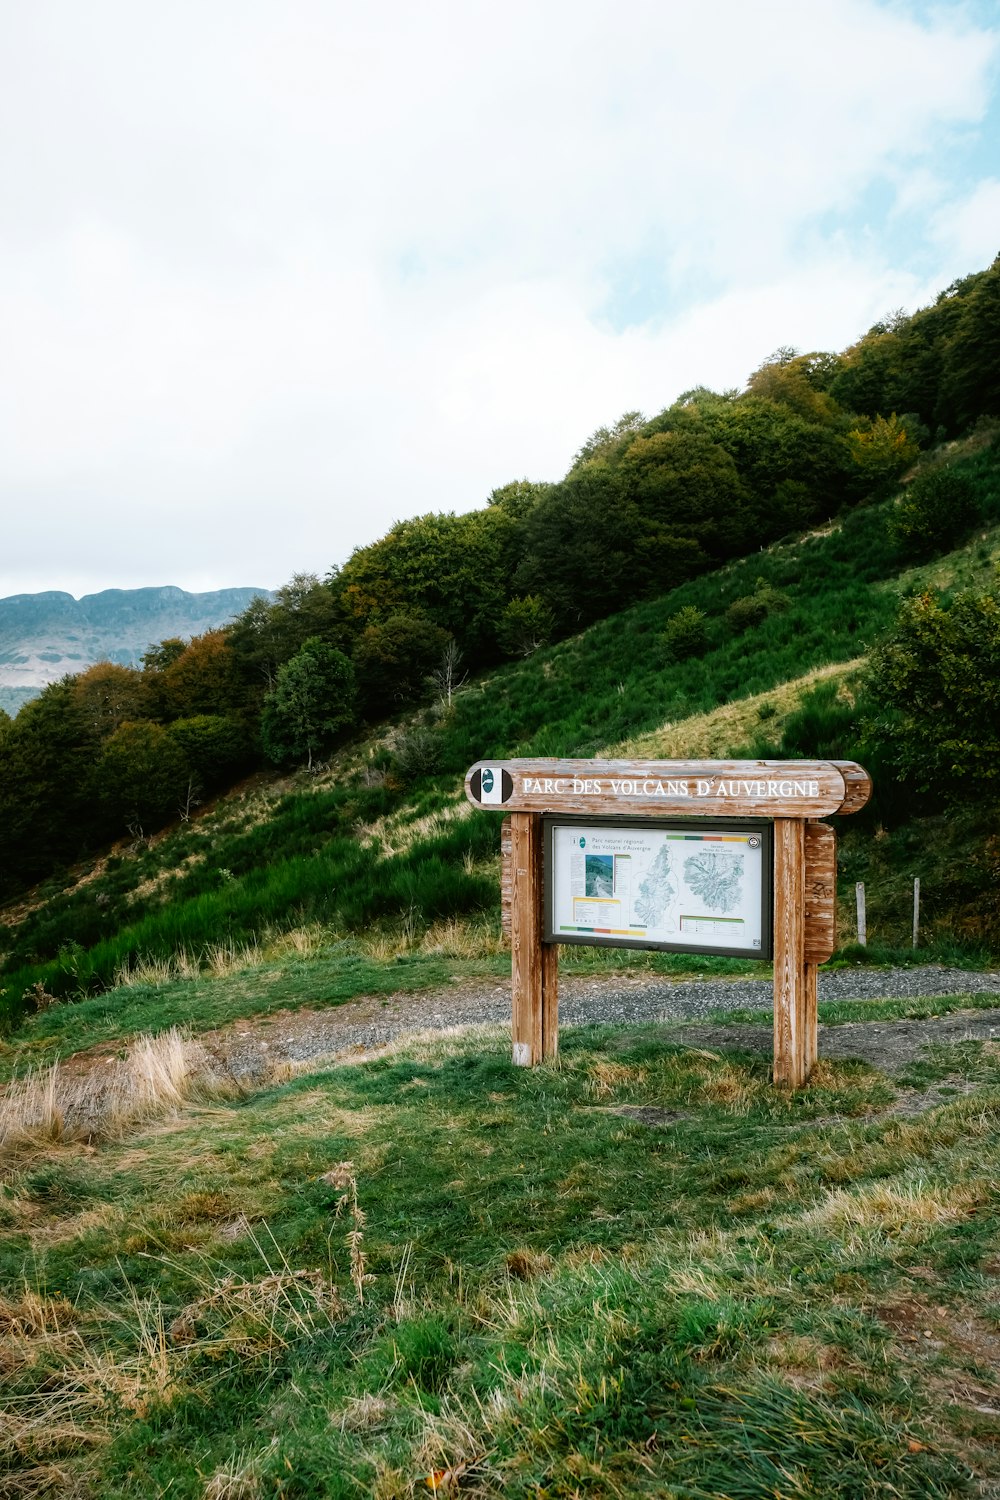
point(638, 1270)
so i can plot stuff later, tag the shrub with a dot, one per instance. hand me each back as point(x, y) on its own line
point(753, 609)
point(934, 514)
point(686, 634)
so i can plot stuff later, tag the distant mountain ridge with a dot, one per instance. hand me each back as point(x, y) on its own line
point(44, 636)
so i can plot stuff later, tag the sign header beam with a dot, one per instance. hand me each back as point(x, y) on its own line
point(715, 788)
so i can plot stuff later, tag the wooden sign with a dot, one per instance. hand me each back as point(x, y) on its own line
point(743, 788)
point(792, 794)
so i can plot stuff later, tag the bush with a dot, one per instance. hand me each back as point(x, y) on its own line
point(416, 753)
point(753, 609)
point(936, 682)
point(935, 513)
point(686, 634)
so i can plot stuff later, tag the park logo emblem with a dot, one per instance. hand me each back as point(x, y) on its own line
point(491, 785)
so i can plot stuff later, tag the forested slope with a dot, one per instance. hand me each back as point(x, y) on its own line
point(717, 552)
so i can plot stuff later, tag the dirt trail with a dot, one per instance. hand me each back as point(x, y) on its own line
point(250, 1049)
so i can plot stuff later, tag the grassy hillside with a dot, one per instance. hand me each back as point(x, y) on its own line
point(639, 1272)
point(382, 840)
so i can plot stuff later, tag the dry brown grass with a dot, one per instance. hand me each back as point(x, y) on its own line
point(399, 831)
point(451, 938)
point(719, 733)
point(901, 1209)
point(260, 1318)
point(157, 1076)
point(607, 1078)
point(240, 1478)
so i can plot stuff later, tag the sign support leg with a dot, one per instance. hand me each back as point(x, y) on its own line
point(550, 1001)
point(529, 962)
point(794, 1017)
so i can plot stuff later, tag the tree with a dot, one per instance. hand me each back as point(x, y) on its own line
point(606, 439)
point(214, 746)
point(970, 378)
point(141, 777)
point(162, 654)
point(935, 681)
point(934, 513)
point(108, 694)
point(685, 634)
point(204, 679)
point(447, 677)
point(393, 659)
point(47, 811)
point(526, 624)
point(455, 571)
point(883, 449)
point(313, 701)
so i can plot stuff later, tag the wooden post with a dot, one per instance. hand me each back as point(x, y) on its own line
point(534, 964)
point(859, 893)
point(791, 982)
point(916, 909)
point(550, 1001)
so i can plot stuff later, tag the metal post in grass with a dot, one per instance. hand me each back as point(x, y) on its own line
point(859, 891)
point(916, 909)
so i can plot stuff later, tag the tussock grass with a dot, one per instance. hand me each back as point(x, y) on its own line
point(466, 1279)
point(453, 938)
point(158, 1075)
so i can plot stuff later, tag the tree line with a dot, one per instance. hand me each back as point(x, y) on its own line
point(646, 505)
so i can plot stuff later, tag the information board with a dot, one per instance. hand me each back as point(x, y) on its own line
point(688, 886)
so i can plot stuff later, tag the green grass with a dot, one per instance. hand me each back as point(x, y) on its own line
point(562, 1301)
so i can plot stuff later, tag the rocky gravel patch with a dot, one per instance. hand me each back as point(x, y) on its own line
point(254, 1048)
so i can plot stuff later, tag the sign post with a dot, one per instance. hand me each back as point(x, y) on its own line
point(674, 855)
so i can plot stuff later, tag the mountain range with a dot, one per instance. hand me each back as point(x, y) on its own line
point(44, 636)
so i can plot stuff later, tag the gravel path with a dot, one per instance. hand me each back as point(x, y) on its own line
point(249, 1049)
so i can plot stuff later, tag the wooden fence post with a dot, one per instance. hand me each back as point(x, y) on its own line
point(859, 895)
point(916, 909)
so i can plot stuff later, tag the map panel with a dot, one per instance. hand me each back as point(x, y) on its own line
point(677, 886)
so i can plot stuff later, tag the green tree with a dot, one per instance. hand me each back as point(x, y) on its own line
point(108, 694)
point(312, 703)
point(685, 634)
point(936, 510)
point(157, 657)
point(141, 777)
point(526, 624)
point(609, 440)
point(456, 571)
point(394, 658)
point(970, 376)
point(935, 679)
point(47, 812)
point(214, 746)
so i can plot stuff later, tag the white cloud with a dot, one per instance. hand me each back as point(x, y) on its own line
point(272, 277)
point(968, 229)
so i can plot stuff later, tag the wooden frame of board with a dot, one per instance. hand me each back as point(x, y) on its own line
point(792, 795)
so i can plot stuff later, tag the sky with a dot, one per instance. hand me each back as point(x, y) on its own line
point(275, 274)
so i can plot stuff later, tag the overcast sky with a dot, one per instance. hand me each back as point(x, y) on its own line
point(277, 273)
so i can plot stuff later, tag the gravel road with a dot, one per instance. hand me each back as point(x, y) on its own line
point(250, 1049)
